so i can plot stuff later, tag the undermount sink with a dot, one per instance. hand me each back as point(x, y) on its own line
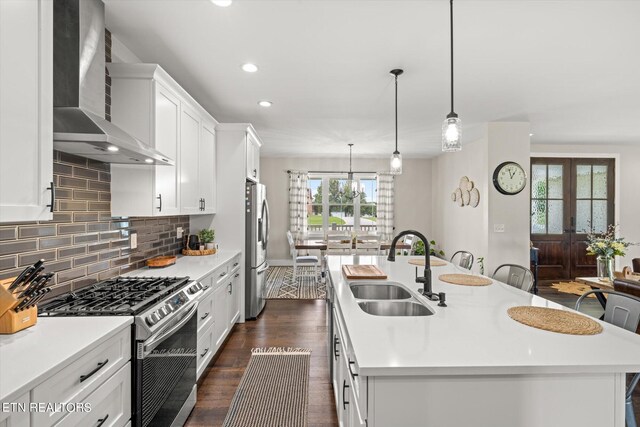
point(394, 308)
point(379, 291)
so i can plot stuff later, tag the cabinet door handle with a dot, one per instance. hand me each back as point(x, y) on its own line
point(230, 288)
point(204, 204)
point(53, 196)
point(204, 316)
point(102, 420)
point(206, 350)
point(336, 343)
point(353, 374)
point(160, 204)
point(344, 394)
point(255, 173)
point(97, 368)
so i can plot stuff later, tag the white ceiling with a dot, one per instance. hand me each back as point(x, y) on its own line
point(571, 68)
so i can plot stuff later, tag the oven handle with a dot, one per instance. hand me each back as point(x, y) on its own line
point(167, 331)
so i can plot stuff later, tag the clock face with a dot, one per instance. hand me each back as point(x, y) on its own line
point(509, 178)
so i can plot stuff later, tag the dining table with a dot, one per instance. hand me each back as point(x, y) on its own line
point(595, 283)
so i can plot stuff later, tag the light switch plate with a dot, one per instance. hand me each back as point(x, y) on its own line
point(498, 228)
point(134, 240)
point(179, 233)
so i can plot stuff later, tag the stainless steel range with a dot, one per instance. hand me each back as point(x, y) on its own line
point(165, 339)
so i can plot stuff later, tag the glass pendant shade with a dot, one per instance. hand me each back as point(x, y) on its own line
point(451, 133)
point(396, 163)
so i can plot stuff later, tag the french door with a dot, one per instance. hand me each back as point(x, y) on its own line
point(569, 197)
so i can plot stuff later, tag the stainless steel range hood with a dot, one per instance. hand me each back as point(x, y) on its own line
point(79, 126)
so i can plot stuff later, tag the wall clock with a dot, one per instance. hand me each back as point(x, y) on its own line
point(509, 178)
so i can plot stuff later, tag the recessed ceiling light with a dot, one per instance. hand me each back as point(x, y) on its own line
point(250, 68)
point(112, 148)
point(221, 3)
point(148, 160)
point(530, 134)
point(265, 103)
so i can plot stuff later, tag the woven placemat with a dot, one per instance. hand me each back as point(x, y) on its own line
point(554, 320)
point(435, 262)
point(465, 279)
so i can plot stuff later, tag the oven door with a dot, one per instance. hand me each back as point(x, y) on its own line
point(165, 376)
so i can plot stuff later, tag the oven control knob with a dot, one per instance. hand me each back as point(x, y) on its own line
point(169, 308)
point(162, 312)
point(193, 289)
point(151, 320)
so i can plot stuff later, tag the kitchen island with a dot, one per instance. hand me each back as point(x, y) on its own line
point(469, 363)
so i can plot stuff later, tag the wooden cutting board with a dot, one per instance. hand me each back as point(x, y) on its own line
point(363, 272)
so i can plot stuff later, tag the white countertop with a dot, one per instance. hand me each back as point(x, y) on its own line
point(196, 267)
point(473, 335)
point(30, 356)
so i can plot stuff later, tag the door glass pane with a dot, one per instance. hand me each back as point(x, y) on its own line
point(583, 215)
point(368, 217)
point(538, 181)
point(599, 215)
point(599, 182)
point(341, 217)
point(538, 217)
point(555, 182)
point(555, 225)
point(583, 184)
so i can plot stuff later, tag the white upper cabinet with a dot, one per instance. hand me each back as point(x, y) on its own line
point(150, 105)
point(253, 157)
point(26, 110)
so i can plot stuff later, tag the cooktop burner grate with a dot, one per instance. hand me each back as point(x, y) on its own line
point(124, 296)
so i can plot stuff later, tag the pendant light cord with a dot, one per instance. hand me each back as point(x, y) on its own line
point(396, 114)
point(451, 23)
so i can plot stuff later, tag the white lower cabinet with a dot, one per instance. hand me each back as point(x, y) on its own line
point(218, 310)
point(109, 405)
point(17, 417)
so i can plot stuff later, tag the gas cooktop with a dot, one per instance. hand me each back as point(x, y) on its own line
point(120, 296)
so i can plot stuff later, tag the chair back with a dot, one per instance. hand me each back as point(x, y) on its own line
point(622, 310)
point(636, 265)
point(514, 275)
point(292, 245)
point(463, 259)
point(338, 243)
point(367, 243)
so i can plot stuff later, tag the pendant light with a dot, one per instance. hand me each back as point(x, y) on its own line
point(452, 127)
point(396, 157)
point(351, 183)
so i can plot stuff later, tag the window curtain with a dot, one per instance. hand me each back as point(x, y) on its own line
point(385, 205)
point(298, 202)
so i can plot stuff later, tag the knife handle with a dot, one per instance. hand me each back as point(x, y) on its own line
point(20, 278)
point(53, 196)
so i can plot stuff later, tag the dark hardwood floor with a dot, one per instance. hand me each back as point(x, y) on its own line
point(284, 323)
point(298, 323)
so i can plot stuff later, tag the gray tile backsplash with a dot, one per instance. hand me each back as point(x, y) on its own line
point(84, 244)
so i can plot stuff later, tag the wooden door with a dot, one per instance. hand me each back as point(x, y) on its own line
point(568, 197)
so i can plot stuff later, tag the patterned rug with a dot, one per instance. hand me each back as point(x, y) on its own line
point(574, 288)
point(280, 285)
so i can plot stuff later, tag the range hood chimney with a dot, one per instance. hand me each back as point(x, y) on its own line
point(79, 126)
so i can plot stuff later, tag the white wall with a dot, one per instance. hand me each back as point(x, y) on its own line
point(466, 228)
point(413, 193)
point(121, 53)
point(627, 209)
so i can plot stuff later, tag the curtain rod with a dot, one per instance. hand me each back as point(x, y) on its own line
point(289, 171)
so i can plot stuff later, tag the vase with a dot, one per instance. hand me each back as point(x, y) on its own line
point(209, 246)
point(605, 268)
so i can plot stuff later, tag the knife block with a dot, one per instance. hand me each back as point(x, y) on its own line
point(13, 321)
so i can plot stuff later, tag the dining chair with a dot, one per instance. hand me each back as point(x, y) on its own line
point(514, 275)
point(308, 262)
point(367, 243)
point(622, 310)
point(463, 259)
point(338, 243)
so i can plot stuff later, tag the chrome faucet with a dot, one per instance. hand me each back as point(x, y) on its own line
point(426, 277)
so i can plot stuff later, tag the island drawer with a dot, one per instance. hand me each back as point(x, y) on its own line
point(205, 311)
point(234, 264)
point(82, 376)
point(110, 403)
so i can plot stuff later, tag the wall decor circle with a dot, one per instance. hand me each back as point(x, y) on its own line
point(474, 200)
point(467, 194)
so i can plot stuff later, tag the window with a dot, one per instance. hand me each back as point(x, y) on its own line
point(336, 208)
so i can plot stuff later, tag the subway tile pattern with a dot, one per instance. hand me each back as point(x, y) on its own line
point(83, 244)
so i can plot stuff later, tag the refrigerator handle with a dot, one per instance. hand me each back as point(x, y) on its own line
point(265, 216)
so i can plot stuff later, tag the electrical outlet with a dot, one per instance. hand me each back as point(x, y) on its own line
point(498, 228)
point(179, 233)
point(134, 240)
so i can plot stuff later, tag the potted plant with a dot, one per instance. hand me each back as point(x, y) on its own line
point(606, 247)
point(207, 236)
point(480, 262)
point(433, 250)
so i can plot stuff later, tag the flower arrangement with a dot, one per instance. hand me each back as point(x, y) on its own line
point(606, 244)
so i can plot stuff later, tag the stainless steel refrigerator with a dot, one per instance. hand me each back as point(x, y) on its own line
point(257, 239)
